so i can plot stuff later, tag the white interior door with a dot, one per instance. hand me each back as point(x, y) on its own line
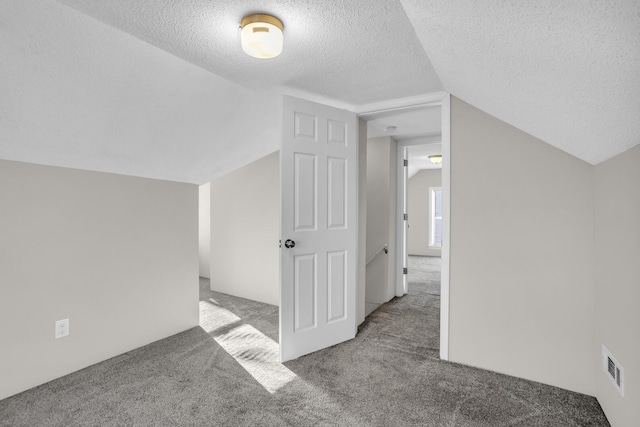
point(318, 257)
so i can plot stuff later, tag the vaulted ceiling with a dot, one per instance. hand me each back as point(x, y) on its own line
point(162, 89)
point(567, 72)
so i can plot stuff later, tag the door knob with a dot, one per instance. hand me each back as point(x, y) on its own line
point(289, 244)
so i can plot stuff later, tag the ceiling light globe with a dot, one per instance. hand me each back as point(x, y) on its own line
point(262, 36)
point(436, 159)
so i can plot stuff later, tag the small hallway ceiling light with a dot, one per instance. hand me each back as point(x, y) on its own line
point(436, 159)
point(262, 36)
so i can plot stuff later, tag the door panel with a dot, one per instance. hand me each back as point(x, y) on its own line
point(337, 170)
point(306, 127)
point(305, 192)
point(319, 211)
point(337, 286)
point(305, 291)
point(337, 132)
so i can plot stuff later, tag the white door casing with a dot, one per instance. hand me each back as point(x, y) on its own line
point(443, 100)
point(402, 258)
point(319, 191)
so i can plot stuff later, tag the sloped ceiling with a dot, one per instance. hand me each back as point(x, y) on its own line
point(161, 88)
point(76, 93)
point(567, 72)
point(358, 51)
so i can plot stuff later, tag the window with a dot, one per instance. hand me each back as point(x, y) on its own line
point(435, 217)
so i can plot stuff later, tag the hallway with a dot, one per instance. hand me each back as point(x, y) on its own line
point(225, 373)
point(424, 298)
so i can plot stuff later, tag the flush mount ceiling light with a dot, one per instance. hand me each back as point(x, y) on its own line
point(262, 36)
point(436, 159)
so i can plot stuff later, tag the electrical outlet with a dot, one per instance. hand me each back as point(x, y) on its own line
point(62, 328)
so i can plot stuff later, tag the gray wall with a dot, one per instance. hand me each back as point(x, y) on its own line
point(617, 282)
point(116, 255)
point(381, 220)
point(204, 229)
point(521, 275)
point(418, 209)
point(245, 229)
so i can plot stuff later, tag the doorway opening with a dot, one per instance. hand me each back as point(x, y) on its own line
point(423, 235)
point(434, 111)
point(418, 131)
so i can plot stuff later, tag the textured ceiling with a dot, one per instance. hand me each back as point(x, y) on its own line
point(358, 51)
point(410, 124)
point(77, 93)
point(162, 89)
point(567, 72)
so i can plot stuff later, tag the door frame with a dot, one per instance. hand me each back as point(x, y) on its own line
point(442, 100)
point(401, 237)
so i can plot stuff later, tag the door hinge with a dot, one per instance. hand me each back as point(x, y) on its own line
point(279, 243)
point(405, 270)
point(406, 162)
point(406, 217)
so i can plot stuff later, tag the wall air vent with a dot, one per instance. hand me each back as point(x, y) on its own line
point(613, 370)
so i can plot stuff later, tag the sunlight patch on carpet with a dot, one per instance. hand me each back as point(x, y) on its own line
point(253, 350)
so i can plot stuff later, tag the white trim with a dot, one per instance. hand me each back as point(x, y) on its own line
point(446, 234)
point(365, 111)
point(427, 100)
point(401, 183)
point(442, 99)
point(319, 99)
